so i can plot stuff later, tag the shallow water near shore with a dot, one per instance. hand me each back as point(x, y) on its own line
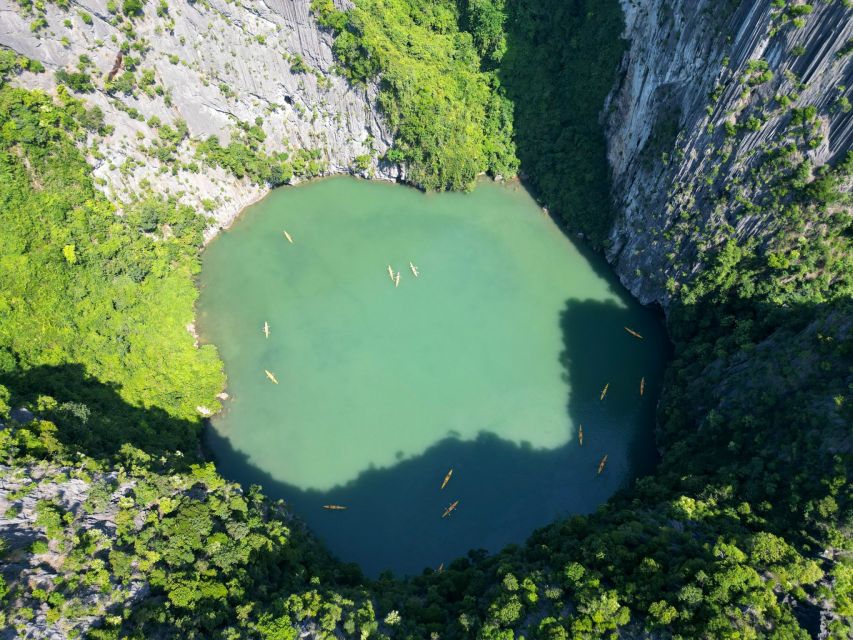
point(487, 363)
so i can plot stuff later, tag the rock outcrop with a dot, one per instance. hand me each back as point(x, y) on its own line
point(37, 543)
point(692, 67)
point(215, 64)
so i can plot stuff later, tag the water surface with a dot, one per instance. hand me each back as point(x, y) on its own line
point(487, 363)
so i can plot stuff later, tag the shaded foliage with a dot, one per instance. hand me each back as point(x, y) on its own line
point(451, 120)
point(79, 284)
point(743, 527)
point(560, 64)
point(480, 85)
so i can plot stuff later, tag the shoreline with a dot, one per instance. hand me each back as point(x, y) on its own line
point(230, 215)
point(515, 182)
point(224, 223)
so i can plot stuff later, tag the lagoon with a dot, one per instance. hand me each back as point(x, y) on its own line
point(488, 362)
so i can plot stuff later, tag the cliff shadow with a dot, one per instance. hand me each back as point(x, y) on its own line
point(93, 418)
point(561, 62)
point(614, 376)
point(505, 490)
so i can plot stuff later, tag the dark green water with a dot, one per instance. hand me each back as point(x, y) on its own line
point(487, 364)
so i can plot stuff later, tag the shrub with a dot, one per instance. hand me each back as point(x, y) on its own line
point(297, 65)
point(77, 81)
point(132, 7)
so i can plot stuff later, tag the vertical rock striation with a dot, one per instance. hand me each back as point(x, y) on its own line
point(692, 67)
point(218, 63)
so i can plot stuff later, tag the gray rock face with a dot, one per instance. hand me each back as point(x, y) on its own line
point(23, 491)
point(218, 62)
point(681, 52)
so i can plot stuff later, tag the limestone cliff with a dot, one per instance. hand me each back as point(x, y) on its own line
point(30, 499)
point(706, 87)
point(215, 64)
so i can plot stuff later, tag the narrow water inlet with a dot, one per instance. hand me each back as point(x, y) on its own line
point(488, 362)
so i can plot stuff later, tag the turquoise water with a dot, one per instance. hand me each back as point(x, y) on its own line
point(486, 363)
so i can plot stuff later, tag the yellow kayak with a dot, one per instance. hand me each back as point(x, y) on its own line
point(450, 509)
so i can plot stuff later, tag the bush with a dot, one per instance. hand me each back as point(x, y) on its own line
point(297, 65)
point(448, 116)
point(77, 81)
point(132, 7)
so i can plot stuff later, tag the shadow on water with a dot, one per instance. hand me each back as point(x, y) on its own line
point(505, 490)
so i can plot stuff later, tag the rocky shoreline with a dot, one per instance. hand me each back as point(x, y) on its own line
point(215, 65)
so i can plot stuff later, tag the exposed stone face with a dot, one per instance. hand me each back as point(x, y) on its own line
point(674, 64)
point(230, 62)
point(21, 492)
point(234, 64)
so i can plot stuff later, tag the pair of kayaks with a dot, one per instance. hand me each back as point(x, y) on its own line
point(447, 512)
point(607, 386)
point(603, 460)
point(395, 275)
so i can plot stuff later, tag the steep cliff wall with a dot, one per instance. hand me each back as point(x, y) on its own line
point(690, 70)
point(61, 522)
point(30, 498)
point(214, 64)
point(707, 88)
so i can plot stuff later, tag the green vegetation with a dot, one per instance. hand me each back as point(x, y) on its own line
point(450, 118)
point(297, 65)
point(757, 72)
point(458, 82)
point(132, 7)
point(13, 64)
point(92, 335)
point(362, 162)
point(244, 158)
point(124, 83)
point(77, 81)
point(744, 531)
point(206, 549)
point(81, 285)
point(725, 540)
point(559, 66)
